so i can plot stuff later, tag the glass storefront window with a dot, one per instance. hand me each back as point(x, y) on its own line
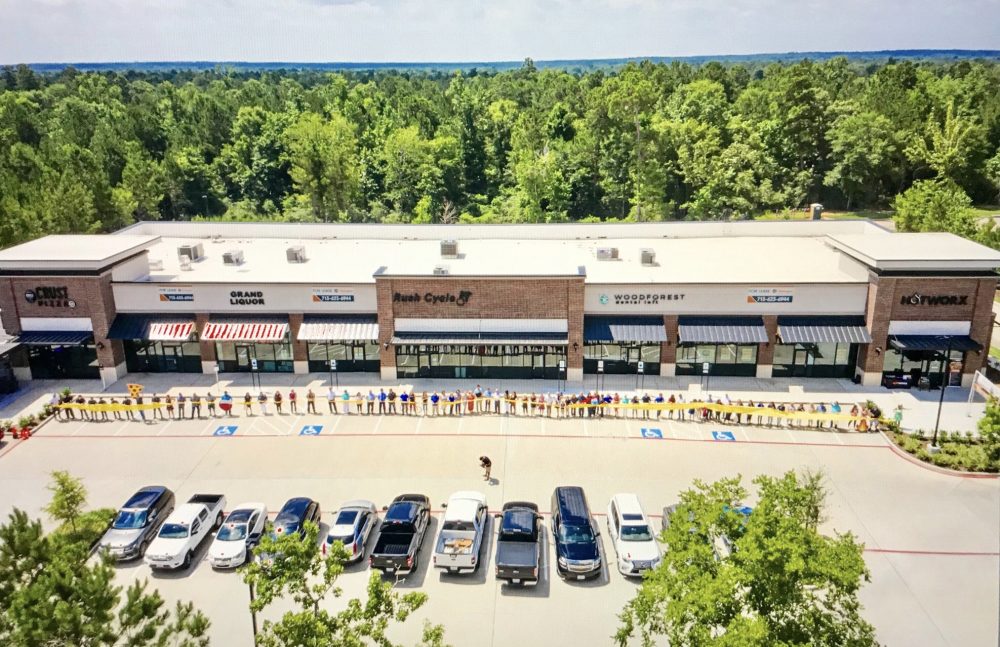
point(162, 357)
point(501, 362)
point(723, 359)
point(815, 360)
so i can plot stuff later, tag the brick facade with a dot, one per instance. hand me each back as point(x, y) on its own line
point(493, 298)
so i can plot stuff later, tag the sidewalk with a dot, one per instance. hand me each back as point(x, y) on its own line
point(919, 407)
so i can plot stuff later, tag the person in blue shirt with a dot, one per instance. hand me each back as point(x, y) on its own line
point(404, 400)
point(659, 400)
point(381, 401)
point(434, 403)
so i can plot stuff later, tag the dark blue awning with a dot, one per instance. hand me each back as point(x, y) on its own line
point(55, 338)
point(722, 330)
point(629, 329)
point(934, 342)
point(820, 330)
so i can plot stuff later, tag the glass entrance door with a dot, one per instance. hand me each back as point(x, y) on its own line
point(172, 355)
point(243, 355)
point(802, 362)
point(537, 365)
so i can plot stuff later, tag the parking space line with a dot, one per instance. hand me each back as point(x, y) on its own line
point(420, 422)
point(377, 425)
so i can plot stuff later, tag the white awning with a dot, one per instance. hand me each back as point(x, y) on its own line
point(245, 331)
point(170, 331)
point(482, 326)
point(338, 331)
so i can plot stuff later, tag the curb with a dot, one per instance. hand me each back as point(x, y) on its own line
point(936, 468)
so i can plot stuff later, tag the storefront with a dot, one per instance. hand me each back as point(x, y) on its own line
point(622, 343)
point(61, 355)
point(719, 345)
point(156, 343)
point(818, 346)
point(243, 345)
point(922, 360)
point(351, 340)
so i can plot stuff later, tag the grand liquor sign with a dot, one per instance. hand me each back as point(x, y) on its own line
point(47, 296)
point(448, 298)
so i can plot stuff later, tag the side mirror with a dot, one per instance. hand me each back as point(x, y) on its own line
point(444, 505)
point(597, 529)
point(384, 508)
point(498, 516)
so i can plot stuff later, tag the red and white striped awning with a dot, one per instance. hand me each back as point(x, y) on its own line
point(245, 331)
point(170, 331)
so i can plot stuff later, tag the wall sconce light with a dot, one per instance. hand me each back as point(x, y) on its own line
point(576, 346)
point(100, 345)
point(386, 345)
point(878, 350)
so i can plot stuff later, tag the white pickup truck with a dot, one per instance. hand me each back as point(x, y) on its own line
point(461, 537)
point(184, 531)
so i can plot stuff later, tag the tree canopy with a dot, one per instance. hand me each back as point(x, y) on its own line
point(782, 582)
point(90, 152)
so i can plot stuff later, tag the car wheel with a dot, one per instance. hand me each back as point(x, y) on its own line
point(187, 561)
point(142, 548)
point(218, 521)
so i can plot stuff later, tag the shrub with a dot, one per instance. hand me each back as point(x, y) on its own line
point(67, 392)
point(921, 434)
point(923, 455)
point(24, 422)
point(968, 438)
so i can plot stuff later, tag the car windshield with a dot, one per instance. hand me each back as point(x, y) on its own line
point(575, 534)
point(345, 518)
point(232, 532)
point(636, 533)
point(288, 528)
point(130, 519)
point(173, 531)
point(347, 540)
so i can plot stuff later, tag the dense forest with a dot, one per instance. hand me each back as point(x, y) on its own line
point(94, 151)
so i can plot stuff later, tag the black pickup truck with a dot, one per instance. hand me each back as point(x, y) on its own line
point(401, 533)
point(518, 543)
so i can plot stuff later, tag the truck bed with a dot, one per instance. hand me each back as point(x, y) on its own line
point(516, 554)
point(456, 542)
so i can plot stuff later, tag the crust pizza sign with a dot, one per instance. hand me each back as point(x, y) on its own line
point(49, 297)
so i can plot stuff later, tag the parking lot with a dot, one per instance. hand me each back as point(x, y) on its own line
point(931, 539)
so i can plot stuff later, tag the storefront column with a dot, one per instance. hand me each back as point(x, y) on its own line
point(207, 347)
point(765, 351)
point(981, 330)
point(300, 351)
point(881, 295)
point(668, 349)
point(111, 359)
point(386, 351)
point(574, 320)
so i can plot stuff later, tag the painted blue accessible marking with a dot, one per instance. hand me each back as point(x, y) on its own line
point(311, 430)
point(723, 435)
point(227, 430)
point(651, 433)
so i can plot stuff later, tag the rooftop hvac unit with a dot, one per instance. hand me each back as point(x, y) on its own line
point(449, 249)
point(648, 256)
point(296, 254)
point(440, 270)
point(607, 253)
point(233, 257)
point(156, 264)
point(185, 264)
point(194, 252)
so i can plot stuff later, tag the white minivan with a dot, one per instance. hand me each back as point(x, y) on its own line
point(632, 536)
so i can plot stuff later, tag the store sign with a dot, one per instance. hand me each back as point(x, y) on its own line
point(182, 295)
point(459, 299)
point(640, 298)
point(49, 297)
point(770, 295)
point(935, 300)
point(246, 298)
point(332, 295)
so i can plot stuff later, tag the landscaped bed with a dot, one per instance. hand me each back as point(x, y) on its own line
point(964, 452)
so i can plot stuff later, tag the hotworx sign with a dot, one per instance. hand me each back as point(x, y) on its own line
point(935, 300)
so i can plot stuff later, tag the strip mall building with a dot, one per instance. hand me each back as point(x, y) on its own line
point(824, 299)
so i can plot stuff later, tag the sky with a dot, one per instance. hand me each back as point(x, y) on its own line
point(44, 31)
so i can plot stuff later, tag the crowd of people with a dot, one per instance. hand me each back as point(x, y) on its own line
point(478, 401)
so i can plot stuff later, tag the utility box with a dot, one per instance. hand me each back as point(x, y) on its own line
point(816, 211)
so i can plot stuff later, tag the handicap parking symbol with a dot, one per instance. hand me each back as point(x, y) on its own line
point(651, 433)
point(723, 435)
point(227, 430)
point(311, 430)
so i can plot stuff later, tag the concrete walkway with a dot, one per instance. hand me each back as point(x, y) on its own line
point(920, 408)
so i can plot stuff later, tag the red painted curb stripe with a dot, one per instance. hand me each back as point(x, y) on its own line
point(936, 553)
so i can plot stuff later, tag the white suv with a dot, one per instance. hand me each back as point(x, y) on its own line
point(632, 536)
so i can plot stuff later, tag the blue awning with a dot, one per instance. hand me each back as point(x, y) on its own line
point(628, 329)
point(722, 330)
point(820, 330)
point(55, 338)
point(934, 342)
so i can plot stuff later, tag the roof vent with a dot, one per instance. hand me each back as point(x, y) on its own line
point(193, 252)
point(607, 253)
point(296, 254)
point(648, 256)
point(185, 264)
point(233, 257)
point(441, 270)
point(156, 264)
point(449, 249)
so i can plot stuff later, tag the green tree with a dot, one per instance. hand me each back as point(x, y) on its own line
point(993, 174)
point(52, 594)
point(783, 583)
point(989, 429)
point(324, 163)
point(69, 496)
point(935, 205)
point(864, 151)
point(951, 145)
point(301, 572)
